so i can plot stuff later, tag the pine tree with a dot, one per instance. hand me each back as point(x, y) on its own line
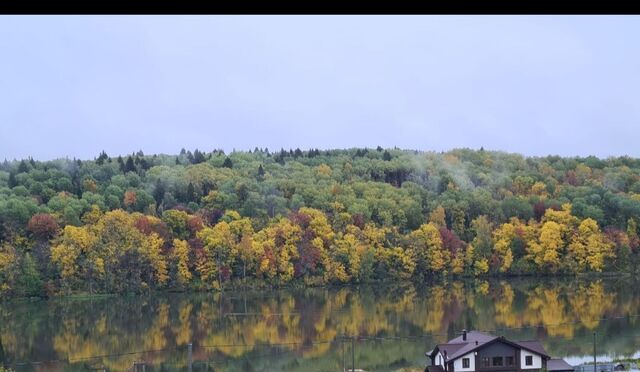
point(23, 168)
point(121, 164)
point(29, 282)
point(101, 158)
point(198, 157)
point(158, 193)
point(191, 193)
point(227, 163)
point(129, 166)
point(12, 180)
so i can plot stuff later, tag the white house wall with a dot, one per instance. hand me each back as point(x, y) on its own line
point(457, 364)
point(537, 360)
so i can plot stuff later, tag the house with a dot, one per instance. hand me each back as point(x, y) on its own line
point(475, 351)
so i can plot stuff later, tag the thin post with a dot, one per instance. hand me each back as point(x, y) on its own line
point(595, 362)
point(353, 354)
point(344, 358)
point(190, 355)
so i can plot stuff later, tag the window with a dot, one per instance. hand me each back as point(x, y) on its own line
point(485, 362)
point(497, 361)
point(528, 360)
point(465, 363)
point(509, 361)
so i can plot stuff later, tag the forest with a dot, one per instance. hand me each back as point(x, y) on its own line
point(211, 220)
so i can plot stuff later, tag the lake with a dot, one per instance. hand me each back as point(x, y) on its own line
point(311, 329)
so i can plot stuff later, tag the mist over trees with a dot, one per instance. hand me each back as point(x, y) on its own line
point(208, 220)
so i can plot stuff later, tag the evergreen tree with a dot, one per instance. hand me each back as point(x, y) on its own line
point(29, 282)
point(23, 168)
point(198, 157)
point(227, 163)
point(129, 166)
point(101, 158)
point(121, 164)
point(158, 193)
point(144, 164)
point(191, 193)
point(12, 180)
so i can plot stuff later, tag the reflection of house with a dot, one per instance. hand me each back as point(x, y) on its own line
point(481, 352)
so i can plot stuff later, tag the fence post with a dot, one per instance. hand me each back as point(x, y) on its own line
point(190, 355)
point(353, 354)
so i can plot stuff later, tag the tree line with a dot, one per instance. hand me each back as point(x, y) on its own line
point(212, 220)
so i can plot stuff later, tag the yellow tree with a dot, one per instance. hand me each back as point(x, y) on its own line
point(181, 252)
point(437, 217)
point(428, 250)
point(276, 245)
point(7, 261)
point(345, 258)
point(564, 218)
point(220, 253)
point(151, 248)
point(73, 243)
point(503, 237)
point(545, 250)
point(589, 248)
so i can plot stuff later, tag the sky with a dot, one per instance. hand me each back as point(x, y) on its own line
point(72, 86)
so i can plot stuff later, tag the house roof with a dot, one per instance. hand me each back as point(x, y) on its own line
point(458, 347)
point(535, 346)
point(558, 365)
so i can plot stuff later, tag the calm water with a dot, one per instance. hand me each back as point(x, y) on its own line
point(302, 330)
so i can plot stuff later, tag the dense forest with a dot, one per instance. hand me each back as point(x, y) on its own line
point(210, 220)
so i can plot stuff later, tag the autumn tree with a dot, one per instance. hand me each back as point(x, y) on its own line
point(430, 255)
point(589, 248)
point(43, 226)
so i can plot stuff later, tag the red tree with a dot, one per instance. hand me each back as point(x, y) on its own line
point(42, 226)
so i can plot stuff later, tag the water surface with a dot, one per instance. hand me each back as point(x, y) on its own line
point(312, 329)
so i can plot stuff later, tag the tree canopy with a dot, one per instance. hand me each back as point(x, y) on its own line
point(208, 219)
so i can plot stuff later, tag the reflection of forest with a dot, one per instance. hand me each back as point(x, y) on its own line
point(298, 329)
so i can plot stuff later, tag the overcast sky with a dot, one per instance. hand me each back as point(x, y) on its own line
point(73, 86)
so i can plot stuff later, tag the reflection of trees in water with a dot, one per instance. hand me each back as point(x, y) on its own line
point(300, 321)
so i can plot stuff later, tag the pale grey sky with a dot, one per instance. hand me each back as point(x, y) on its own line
point(73, 86)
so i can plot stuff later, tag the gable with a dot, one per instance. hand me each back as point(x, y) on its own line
point(492, 346)
point(499, 347)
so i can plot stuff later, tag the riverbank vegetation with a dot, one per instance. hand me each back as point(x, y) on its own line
point(204, 220)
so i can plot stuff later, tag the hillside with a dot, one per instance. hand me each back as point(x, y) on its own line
point(205, 220)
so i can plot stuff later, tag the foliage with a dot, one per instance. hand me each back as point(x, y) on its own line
point(209, 219)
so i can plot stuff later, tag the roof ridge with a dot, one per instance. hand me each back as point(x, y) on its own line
point(455, 343)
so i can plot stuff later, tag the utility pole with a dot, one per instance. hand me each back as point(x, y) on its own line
point(344, 358)
point(595, 362)
point(190, 355)
point(353, 354)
